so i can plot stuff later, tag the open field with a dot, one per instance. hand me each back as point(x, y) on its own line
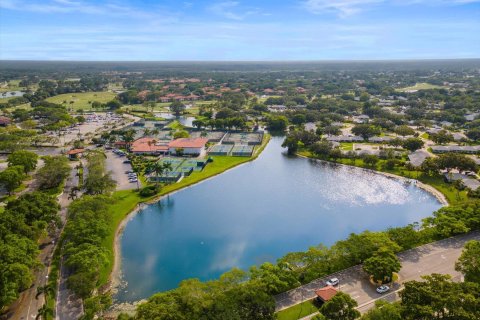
point(82, 100)
point(420, 86)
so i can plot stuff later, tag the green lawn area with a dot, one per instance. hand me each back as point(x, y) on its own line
point(12, 85)
point(126, 200)
point(297, 311)
point(346, 146)
point(420, 86)
point(425, 136)
point(82, 100)
point(175, 125)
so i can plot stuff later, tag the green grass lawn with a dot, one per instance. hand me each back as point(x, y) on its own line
point(83, 100)
point(125, 201)
point(297, 311)
point(176, 125)
point(346, 146)
point(425, 136)
point(420, 86)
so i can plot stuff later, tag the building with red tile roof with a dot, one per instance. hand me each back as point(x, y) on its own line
point(190, 146)
point(148, 146)
point(326, 293)
point(5, 121)
point(75, 153)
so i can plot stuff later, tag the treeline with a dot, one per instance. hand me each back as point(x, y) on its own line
point(88, 225)
point(49, 116)
point(437, 296)
point(84, 255)
point(249, 295)
point(23, 222)
point(26, 220)
point(99, 180)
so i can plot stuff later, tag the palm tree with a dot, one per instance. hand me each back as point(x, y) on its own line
point(44, 312)
point(128, 136)
point(147, 132)
point(47, 290)
point(159, 169)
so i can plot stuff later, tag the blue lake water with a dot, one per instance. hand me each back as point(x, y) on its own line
point(10, 94)
point(255, 213)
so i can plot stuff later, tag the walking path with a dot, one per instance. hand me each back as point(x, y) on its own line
point(437, 257)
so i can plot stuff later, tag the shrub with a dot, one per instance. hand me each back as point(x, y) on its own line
point(148, 191)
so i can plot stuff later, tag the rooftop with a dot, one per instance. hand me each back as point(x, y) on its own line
point(326, 293)
point(188, 143)
point(75, 151)
point(148, 145)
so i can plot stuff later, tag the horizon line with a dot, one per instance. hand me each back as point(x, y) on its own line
point(252, 61)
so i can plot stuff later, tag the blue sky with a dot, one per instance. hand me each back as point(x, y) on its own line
point(239, 30)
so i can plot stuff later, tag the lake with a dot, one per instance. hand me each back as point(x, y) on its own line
point(258, 212)
point(10, 94)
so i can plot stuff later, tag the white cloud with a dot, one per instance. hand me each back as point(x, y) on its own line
point(346, 8)
point(71, 6)
point(340, 7)
point(232, 10)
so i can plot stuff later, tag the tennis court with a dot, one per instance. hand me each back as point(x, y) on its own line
point(220, 150)
point(242, 151)
point(243, 138)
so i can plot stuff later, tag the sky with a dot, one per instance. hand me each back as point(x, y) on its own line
point(241, 30)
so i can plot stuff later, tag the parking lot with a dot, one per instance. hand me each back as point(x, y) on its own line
point(115, 163)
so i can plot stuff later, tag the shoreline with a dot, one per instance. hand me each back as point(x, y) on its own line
point(116, 274)
point(428, 188)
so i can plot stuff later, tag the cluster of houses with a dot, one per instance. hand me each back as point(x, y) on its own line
point(282, 108)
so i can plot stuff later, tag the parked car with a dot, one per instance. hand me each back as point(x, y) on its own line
point(132, 180)
point(332, 282)
point(127, 161)
point(383, 289)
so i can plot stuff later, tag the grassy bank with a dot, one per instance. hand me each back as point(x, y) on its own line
point(298, 311)
point(127, 200)
point(452, 195)
point(82, 100)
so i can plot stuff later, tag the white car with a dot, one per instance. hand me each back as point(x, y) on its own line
point(333, 282)
point(383, 289)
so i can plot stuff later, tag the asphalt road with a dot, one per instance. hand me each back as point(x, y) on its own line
point(438, 257)
point(27, 305)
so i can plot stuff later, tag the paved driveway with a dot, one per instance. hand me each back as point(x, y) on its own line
point(438, 257)
point(118, 168)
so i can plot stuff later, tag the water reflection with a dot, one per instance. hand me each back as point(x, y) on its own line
point(258, 212)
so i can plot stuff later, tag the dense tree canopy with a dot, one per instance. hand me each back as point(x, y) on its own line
point(24, 158)
point(469, 262)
